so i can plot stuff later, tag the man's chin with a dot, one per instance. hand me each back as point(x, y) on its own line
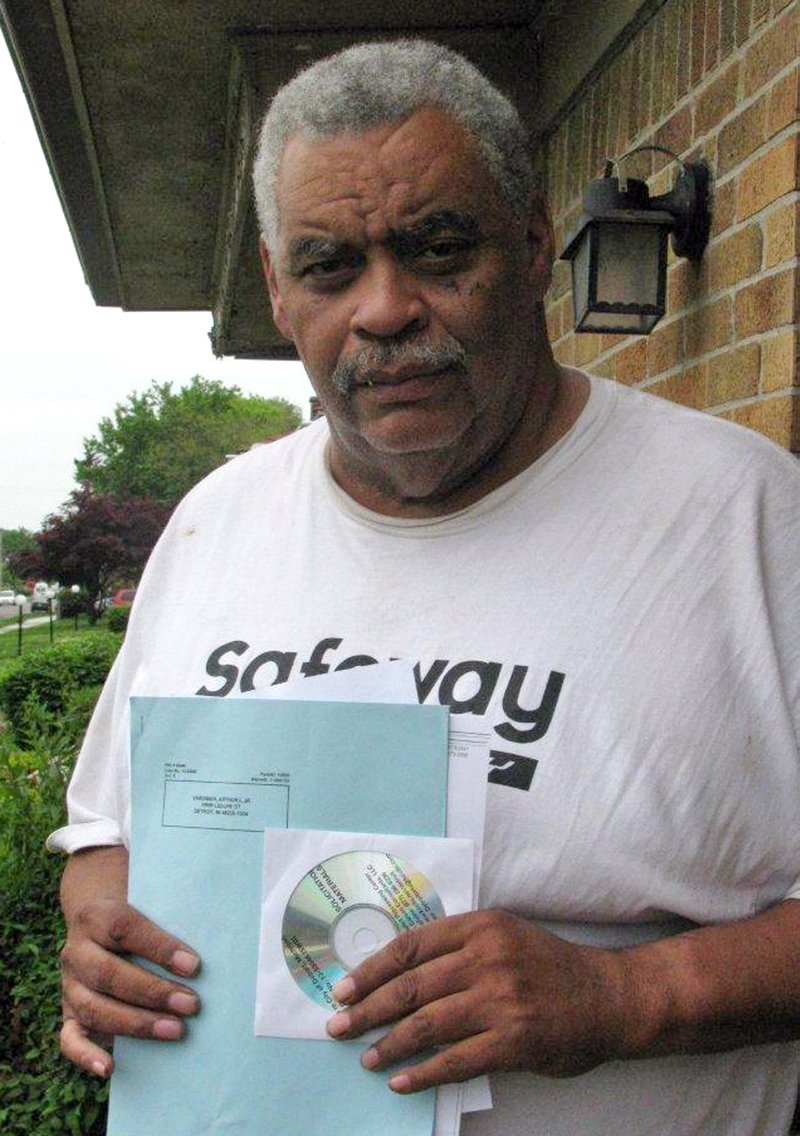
point(398, 438)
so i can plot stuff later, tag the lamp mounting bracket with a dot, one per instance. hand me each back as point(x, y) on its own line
point(688, 203)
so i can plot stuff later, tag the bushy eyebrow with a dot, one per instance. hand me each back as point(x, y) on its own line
point(312, 248)
point(405, 242)
point(444, 222)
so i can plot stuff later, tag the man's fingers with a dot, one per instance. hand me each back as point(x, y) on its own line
point(461, 1062)
point(98, 1014)
point(410, 949)
point(421, 986)
point(440, 1023)
point(78, 1047)
point(96, 968)
point(122, 929)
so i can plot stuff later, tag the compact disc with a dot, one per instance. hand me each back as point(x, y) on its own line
point(346, 908)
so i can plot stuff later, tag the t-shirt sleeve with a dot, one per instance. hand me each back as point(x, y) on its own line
point(98, 795)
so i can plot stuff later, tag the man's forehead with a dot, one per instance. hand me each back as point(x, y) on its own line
point(417, 166)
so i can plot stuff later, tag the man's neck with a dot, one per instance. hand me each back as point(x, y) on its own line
point(405, 489)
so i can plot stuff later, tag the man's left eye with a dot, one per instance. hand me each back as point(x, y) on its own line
point(324, 267)
point(444, 255)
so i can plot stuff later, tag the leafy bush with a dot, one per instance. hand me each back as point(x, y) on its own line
point(71, 604)
point(55, 677)
point(117, 617)
point(40, 1093)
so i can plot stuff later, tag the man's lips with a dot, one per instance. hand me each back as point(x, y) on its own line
point(406, 385)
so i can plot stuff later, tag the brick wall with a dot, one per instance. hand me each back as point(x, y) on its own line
point(718, 79)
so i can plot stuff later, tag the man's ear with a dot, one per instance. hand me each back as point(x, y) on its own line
point(541, 243)
point(278, 310)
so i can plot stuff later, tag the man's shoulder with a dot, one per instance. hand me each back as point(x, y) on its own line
point(686, 434)
point(266, 465)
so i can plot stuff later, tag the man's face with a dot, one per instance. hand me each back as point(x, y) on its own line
point(409, 290)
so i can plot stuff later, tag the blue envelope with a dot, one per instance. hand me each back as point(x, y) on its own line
point(208, 776)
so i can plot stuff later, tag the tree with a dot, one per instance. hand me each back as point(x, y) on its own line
point(12, 543)
point(95, 540)
point(158, 444)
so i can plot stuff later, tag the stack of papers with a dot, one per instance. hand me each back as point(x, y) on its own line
point(208, 778)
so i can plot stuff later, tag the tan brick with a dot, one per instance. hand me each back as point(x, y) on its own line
point(717, 100)
point(562, 279)
point(783, 101)
point(779, 361)
point(782, 230)
point(768, 303)
point(723, 207)
point(743, 11)
point(742, 136)
point(670, 58)
point(635, 52)
point(727, 28)
point(684, 46)
point(622, 115)
point(710, 328)
point(587, 348)
point(777, 418)
point(610, 340)
point(698, 40)
point(552, 317)
point(559, 233)
point(734, 374)
point(770, 53)
point(645, 101)
point(760, 12)
point(767, 178)
point(567, 314)
point(711, 54)
point(564, 351)
point(631, 362)
point(676, 133)
point(604, 368)
point(688, 387)
point(665, 347)
point(734, 258)
point(687, 284)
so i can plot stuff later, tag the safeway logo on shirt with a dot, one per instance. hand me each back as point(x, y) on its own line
point(523, 702)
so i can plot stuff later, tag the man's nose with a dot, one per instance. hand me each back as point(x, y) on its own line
point(388, 301)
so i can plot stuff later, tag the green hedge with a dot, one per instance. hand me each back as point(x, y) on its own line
point(117, 617)
point(41, 1094)
point(56, 677)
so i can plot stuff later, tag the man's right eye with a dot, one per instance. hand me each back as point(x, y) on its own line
point(332, 270)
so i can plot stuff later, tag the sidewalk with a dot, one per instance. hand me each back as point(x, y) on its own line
point(34, 622)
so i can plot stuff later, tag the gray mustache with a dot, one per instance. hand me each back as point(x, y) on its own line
point(366, 365)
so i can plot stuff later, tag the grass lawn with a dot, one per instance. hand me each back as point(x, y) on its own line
point(39, 636)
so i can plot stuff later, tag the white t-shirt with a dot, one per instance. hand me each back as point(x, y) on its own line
point(626, 615)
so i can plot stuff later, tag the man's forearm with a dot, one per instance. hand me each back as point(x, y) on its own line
point(716, 988)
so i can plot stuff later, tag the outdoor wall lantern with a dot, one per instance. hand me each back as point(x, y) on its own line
point(619, 252)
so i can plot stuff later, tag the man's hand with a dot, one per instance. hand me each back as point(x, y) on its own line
point(103, 992)
point(493, 989)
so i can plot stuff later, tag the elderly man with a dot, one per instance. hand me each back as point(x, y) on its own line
point(607, 578)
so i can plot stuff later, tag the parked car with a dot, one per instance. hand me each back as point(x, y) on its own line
point(42, 595)
point(7, 596)
point(123, 596)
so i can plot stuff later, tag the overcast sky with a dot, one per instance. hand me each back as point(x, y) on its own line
point(64, 363)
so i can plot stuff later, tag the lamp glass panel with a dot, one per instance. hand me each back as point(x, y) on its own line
point(629, 323)
point(628, 264)
point(580, 276)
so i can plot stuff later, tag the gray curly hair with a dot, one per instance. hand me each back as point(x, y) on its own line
point(373, 83)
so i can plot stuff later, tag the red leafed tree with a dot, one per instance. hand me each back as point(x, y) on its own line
point(97, 540)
